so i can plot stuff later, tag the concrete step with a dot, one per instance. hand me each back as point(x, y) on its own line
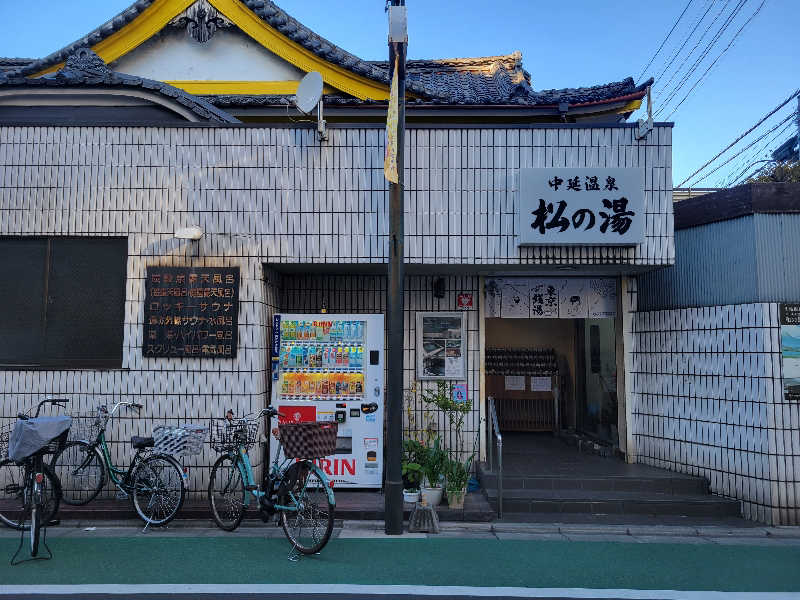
point(613, 502)
point(664, 485)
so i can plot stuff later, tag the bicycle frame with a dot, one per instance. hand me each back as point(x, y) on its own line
point(119, 477)
point(277, 468)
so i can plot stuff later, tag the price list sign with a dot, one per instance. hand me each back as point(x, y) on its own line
point(191, 312)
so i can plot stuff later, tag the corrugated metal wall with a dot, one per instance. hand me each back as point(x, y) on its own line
point(750, 259)
point(715, 264)
point(778, 257)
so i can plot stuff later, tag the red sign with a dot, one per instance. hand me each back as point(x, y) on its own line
point(464, 301)
point(297, 414)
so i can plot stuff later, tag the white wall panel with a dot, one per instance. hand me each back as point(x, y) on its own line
point(707, 399)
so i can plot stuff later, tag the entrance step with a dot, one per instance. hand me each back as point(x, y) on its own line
point(613, 502)
point(661, 485)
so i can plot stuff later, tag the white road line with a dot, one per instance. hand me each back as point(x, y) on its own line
point(415, 590)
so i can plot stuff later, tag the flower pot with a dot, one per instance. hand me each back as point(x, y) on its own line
point(411, 496)
point(455, 498)
point(430, 496)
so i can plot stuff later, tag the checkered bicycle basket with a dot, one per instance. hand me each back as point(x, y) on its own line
point(179, 440)
point(308, 440)
point(229, 435)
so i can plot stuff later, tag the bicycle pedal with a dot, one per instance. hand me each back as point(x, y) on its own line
point(251, 488)
point(54, 522)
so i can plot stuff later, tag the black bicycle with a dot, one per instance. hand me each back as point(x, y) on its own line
point(30, 492)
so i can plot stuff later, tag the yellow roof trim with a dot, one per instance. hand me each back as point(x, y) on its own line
point(292, 52)
point(246, 88)
point(630, 106)
point(151, 20)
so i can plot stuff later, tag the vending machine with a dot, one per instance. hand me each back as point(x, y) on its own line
point(330, 368)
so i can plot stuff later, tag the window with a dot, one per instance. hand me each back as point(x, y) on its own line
point(63, 301)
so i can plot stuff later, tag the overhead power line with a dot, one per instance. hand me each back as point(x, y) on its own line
point(713, 42)
point(721, 54)
point(691, 52)
point(755, 141)
point(685, 41)
point(745, 134)
point(749, 160)
point(678, 20)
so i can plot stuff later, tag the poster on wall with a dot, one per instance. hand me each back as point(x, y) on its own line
point(790, 351)
point(191, 312)
point(514, 299)
point(551, 298)
point(602, 302)
point(544, 299)
point(441, 345)
point(573, 299)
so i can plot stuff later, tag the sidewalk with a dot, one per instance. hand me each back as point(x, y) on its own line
point(643, 533)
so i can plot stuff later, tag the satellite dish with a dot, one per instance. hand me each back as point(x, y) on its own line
point(309, 92)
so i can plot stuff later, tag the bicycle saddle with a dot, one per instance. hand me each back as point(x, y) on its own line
point(142, 442)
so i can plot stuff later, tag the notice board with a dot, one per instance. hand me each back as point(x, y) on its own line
point(191, 312)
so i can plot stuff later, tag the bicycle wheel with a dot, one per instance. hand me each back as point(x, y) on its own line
point(309, 527)
point(158, 489)
point(13, 512)
point(226, 493)
point(82, 473)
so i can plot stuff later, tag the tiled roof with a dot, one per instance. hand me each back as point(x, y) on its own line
point(13, 64)
point(493, 80)
point(85, 68)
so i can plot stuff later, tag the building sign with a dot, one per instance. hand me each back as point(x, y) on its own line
point(568, 206)
point(464, 302)
point(790, 351)
point(191, 312)
point(551, 298)
point(441, 345)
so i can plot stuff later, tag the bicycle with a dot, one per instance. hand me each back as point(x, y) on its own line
point(154, 481)
point(30, 491)
point(297, 493)
point(12, 474)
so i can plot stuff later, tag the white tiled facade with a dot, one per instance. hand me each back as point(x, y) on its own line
point(706, 398)
point(277, 196)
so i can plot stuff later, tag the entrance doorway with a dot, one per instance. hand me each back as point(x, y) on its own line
point(554, 374)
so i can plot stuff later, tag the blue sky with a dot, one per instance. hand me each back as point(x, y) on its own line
point(568, 44)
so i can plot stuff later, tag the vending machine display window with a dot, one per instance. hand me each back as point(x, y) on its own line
point(441, 345)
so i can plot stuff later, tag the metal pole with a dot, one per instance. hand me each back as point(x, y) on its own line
point(394, 310)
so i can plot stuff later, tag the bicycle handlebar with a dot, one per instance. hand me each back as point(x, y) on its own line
point(135, 405)
point(50, 400)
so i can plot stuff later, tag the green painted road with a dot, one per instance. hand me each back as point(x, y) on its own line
point(434, 562)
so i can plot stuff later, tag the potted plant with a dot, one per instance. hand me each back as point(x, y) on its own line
point(413, 457)
point(433, 468)
point(457, 478)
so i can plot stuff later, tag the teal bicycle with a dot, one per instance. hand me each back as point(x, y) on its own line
point(295, 490)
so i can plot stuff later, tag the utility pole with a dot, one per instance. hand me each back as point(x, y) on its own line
point(398, 38)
